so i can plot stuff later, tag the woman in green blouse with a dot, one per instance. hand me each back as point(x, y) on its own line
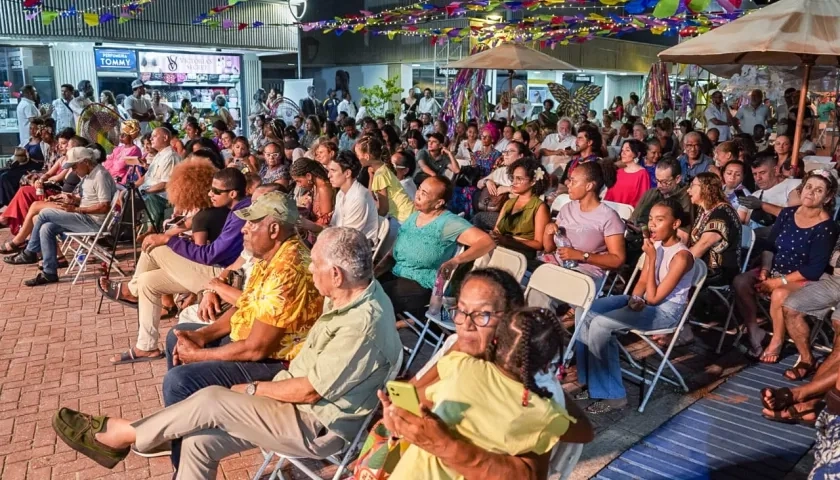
point(523, 218)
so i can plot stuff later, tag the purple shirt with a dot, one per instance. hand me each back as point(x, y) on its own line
point(221, 251)
point(588, 230)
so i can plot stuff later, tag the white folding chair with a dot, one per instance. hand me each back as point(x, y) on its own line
point(567, 286)
point(80, 246)
point(624, 211)
point(341, 459)
point(724, 292)
point(508, 260)
point(558, 203)
point(698, 278)
point(383, 244)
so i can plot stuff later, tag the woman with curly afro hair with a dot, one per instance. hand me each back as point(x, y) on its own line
point(187, 190)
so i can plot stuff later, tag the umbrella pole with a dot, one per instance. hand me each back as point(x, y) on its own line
point(808, 61)
point(510, 97)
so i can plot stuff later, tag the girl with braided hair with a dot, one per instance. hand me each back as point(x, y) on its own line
point(318, 199)
point(388, 192)
point(496, 403)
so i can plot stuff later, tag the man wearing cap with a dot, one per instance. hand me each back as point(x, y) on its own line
point(71, 213)
point(312, 410)
point(138, 106)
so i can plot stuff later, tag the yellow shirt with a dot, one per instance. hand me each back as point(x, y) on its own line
point(280, 293)
point(400, 205)
point(482, 405)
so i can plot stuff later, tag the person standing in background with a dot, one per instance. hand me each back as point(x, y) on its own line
point(62, 113)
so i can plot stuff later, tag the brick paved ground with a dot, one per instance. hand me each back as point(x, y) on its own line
point(54, 352)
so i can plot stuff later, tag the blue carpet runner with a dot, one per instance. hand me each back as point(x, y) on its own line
point(721, 436)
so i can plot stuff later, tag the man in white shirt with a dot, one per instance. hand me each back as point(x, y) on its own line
point(153, 184)
point(62, 113)
point(347, 106)
point(556, 150)
point(428, 104)
point(354, 205)
point(507, 137)
point(163, 112)
point(428, 126)
point(752, 114)
point(138, 106)
point(666, 112)
point(761, 208)
point(84, 97)
point(718, 116)
point(26, 112)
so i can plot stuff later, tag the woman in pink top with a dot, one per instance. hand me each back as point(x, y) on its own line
point(631, 181)
point(115, 162)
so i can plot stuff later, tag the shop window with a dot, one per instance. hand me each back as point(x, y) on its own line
point(21, 66)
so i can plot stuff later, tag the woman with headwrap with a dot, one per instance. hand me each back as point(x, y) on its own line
point(482, 163)
point(115, 162)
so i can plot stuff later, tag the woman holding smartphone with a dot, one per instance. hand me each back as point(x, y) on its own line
point(657, 302)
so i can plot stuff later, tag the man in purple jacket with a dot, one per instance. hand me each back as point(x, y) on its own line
point(173, 265)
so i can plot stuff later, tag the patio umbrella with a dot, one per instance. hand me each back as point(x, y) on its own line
point(512, 57)
point(787, 33)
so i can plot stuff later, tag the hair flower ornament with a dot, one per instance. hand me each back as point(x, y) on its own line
point(539, 174)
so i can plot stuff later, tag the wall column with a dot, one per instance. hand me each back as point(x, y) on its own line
point(72, 63)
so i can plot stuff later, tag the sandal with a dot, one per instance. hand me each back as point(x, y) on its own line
point(131, 357)
point(800, 371)
point(21, 258)
point(169, 312)
point(782, 398)
point(770, 358)
point(114, 291)
point(795, 416)
point(604, 406)
point(10, 248)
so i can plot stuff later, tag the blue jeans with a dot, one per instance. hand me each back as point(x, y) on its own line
point(51, 223)
point(597, 349)
point(183, 380)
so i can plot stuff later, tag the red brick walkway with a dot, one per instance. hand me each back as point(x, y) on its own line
point(54, 352)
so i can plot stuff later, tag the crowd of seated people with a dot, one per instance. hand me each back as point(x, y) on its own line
point(287, 329)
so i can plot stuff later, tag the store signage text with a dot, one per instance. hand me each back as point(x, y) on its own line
point(446, 72)
point(159, 62)
point(123, 60)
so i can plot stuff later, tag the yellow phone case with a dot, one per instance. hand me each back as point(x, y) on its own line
point(404, 395)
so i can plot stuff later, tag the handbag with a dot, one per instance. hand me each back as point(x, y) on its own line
point(484, 202)
point(467, 177)
point(379, 455)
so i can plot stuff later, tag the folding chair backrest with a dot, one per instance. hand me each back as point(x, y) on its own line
point(561, 200)
point(747, 243)
point(698, 272)
point(624, 211)
point(512, 262)
point(382, 240)
point(567, 286)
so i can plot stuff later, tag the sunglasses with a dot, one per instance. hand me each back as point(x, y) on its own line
point(217, 191)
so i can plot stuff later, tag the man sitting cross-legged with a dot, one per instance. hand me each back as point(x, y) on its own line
point(311, 410)
point(255, 339)
point(176, 265)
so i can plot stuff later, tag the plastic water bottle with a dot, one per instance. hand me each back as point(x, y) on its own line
point(436, 301)
point(39, 190)
point(562, 241)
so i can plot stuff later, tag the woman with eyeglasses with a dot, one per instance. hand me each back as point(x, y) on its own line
point(495, 188)
point(276, 168)
point(481, 164)
point(523, 219)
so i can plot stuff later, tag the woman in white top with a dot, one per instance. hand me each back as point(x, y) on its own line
point(470, 145)
point(657, 302)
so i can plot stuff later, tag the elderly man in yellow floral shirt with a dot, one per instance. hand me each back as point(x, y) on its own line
point(259, 336)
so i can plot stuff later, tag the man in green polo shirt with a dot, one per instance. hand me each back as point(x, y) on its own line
point(312, 410)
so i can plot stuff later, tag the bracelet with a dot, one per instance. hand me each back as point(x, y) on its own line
point(784, 280)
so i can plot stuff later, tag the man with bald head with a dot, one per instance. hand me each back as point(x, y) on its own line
point(153, 184)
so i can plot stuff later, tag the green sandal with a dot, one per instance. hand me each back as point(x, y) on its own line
point(78, 430)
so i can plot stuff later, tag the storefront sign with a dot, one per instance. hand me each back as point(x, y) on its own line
point(159, 62)
point(446, 72)
point(119, 60)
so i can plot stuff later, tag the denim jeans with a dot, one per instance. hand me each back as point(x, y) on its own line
point(51, 223)
point(183, 380)
point(597, 350)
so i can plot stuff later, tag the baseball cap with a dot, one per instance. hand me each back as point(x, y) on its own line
point(137, 84)
point(274, 204)
point(77, 155)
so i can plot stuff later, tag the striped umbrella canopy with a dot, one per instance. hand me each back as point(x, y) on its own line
point(790, 32)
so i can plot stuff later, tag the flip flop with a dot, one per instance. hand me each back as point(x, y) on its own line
point(113, 293)
point(131, 357)
point(782, 397)
point(795, 417)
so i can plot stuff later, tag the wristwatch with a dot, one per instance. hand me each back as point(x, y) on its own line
point(585, 257)
point(784, 280)
point(251, 389)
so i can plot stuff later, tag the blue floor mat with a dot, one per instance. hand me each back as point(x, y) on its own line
point(721, 436)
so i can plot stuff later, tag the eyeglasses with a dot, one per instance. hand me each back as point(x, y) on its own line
point(510, 152)
point(217, 191)
point(666, 183)
point(691, 145)
point(273, 155)
point(479, 319)
point(520, 180)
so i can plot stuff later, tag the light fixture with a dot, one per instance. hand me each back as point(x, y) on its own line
point(580, 71)
point(415, 65)
point(623, 74)
point(494, 18)
point(291, 64)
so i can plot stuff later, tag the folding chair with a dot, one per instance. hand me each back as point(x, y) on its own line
point(624, 211)
point(508, 260)
point(558, 203)
point(80, 246)
point(698, 275)
point(567, 286)
point(724, 292)
point(383, 243)
point(341, 459)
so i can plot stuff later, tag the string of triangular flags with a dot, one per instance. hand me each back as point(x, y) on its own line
point(92, 17)
point(210, 18)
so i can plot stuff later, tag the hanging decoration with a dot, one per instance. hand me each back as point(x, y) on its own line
point(210, 18)
point(467, 97)
point(92, 17)
point(568, 104)
point(657, 90)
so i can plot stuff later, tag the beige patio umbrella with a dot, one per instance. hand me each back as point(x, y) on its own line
point(512, 57)
point(790, 32)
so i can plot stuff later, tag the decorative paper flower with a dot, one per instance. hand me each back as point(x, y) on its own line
point(539, 174)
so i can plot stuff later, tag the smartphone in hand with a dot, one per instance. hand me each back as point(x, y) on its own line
point(404, 395)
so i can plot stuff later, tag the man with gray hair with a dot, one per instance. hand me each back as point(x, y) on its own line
point(312, 410)
point(693, 161)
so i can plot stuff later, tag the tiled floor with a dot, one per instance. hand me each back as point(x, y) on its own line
point(54, 352)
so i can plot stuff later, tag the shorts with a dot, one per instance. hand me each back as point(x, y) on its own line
point(818, 298)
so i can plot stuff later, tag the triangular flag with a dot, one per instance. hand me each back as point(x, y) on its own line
point(31, 3)
point(106, 17)
point(242, 26)
point(257, 24)
point(391, 34)
point(48, 16)
point(91, 19)
point(124, 19)
point(33, 15)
